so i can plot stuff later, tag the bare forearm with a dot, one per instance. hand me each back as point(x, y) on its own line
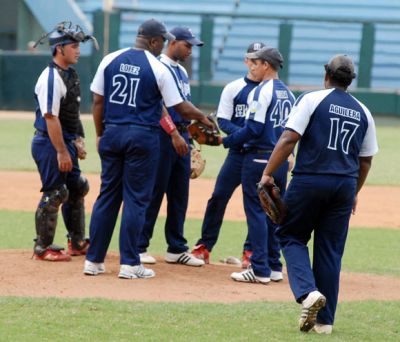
point(97, 110)
point(55, 133)
point(188, 111)
point(365, 166)
point(282, 150)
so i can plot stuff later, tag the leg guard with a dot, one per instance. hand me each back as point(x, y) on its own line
point(74, 212)
point(46, 218)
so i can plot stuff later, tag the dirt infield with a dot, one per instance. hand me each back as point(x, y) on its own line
point(176, 283)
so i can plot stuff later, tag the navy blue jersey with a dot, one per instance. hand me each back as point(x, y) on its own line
point(336, 129)
point(134, 83)
point(269, 105)
point(233, 104)
point(182, 82)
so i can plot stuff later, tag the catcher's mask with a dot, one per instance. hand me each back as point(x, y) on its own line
point(65, 33)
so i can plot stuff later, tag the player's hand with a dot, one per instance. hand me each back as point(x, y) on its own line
point(97, 143)
point(64, 161)
point(355, 205)
point(265, 179)
point(291, 162)
point(179, 143)
point(79, 143)
point(205, 120)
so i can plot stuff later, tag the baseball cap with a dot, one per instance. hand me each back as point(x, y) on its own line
point(341, 66)
point(269, 54)
point(185, 33)
point(253, 47)
point(154, 28)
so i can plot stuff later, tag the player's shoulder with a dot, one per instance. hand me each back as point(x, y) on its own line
point(49, 75)
point(314, 95)
point(112, 56)
point(235, 86)
point(363, 106)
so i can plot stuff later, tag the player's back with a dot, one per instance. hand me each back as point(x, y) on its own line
point(273, 101)
point(130, 87)
point(335, 133)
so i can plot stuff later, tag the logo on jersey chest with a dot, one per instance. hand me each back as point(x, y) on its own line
point(240, 110)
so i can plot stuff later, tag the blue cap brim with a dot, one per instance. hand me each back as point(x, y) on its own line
point(195, 42)
point(168, 36)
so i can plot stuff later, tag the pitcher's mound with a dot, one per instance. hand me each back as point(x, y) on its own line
point(22, 276)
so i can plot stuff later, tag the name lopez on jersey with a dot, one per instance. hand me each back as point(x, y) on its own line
point(346, 112)
point(130, 69)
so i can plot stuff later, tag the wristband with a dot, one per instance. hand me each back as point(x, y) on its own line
point(167, 124)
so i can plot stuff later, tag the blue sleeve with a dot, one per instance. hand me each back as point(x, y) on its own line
point(227, 126)
point(252, 129)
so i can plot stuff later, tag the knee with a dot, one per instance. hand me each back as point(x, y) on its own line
point(78, 190)
point(51, 200)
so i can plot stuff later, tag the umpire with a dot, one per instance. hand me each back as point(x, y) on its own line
point(57, 145)
point(337, 141)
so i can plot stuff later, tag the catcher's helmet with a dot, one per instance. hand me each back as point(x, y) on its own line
point(65, 33)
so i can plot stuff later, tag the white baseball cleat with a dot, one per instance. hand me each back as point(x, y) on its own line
point(276, 276)
point(184, 258)
point(248, 276)
point(323, 328)
point(135, 272)
point(93, 268)
point(146, 258)
point(314, 302)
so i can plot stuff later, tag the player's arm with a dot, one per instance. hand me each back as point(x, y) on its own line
point(55, 133)
point(97, 110)
point(188, 111)
point(227, 126)
point(169, 127)
point(280, 154)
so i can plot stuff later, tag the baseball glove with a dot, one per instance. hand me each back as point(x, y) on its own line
point(197, 163)
point(204, 134)
point(271, 202)
point(79, 143)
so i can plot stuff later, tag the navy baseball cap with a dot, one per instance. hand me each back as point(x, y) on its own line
point(185, 33)
point(268, 54)
point(253, 47)
point(154, 28)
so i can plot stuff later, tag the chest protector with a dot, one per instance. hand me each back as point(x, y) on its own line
point(69, 106)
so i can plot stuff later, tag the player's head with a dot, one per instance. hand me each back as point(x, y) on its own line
point(253, 47)
point(265, 62)
point(65, 34)
point(339, 71)
point(181, 47)
point(153, 34)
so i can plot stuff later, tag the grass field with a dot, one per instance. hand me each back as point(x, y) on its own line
point(16, 136)
point(373, 251)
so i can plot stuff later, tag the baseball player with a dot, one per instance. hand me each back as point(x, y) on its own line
point(269, 105)
point(129, 87)
point(337, 142)
point(173, 169)
point(57, 144)
point(231, 116)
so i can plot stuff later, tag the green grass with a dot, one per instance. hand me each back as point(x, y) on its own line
point(368, 250)
point(104, 320)
point(16, 135)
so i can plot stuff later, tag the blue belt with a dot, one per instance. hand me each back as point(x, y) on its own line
point(147, 128)
point(256, 150)
point(41, 133)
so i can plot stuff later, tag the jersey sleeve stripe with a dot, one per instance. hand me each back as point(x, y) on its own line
point(50, 90)
point(175, 79)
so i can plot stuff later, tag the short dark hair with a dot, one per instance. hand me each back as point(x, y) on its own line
point(340, 70)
